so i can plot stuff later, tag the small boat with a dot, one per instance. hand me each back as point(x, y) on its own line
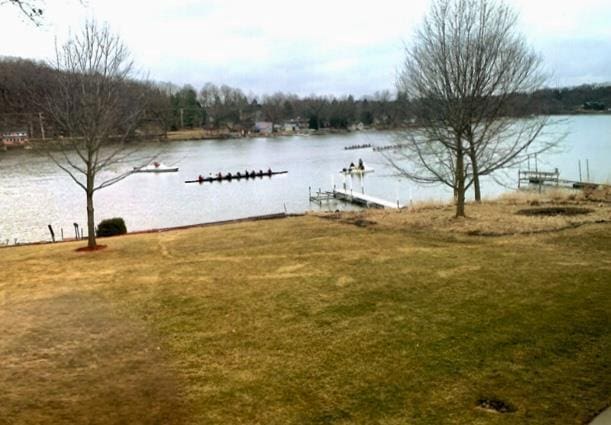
point(236, 177)
point(356, 171)
point(155, 167)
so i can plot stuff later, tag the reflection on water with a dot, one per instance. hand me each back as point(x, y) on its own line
point(35, 193)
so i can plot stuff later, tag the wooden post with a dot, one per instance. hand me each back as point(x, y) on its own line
point(52, 233)
point(588, 170)
point(579, 165)
point(528, 162)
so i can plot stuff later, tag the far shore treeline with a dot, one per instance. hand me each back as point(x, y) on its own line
point(23, 82)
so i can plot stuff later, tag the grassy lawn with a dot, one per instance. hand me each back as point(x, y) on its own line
point(308, 320)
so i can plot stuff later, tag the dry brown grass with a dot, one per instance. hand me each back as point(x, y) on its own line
point(389, 318)
point(498, 217)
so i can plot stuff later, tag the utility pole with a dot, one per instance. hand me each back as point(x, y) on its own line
point(182, 124)
point(42, 126)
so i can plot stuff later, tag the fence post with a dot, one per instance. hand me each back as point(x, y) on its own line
point(52, 233)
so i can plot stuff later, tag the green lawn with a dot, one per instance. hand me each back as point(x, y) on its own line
point(308, 321)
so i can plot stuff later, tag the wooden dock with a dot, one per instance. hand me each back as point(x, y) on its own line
point(353, 197)
point(551, 178)
point(366, 200)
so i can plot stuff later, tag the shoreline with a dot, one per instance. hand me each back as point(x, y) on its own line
point(253, 218)
point(199, 134)
point(504, 205)
point(204, 134)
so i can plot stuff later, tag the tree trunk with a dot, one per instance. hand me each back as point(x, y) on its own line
point(90, 221)
point(460, 182)
point(476, 187)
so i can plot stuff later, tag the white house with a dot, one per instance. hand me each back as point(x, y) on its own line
point(265, 127)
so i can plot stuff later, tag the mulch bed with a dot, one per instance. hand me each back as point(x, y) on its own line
point(554, 211)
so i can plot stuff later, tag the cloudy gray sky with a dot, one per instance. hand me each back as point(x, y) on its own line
point(316, 46)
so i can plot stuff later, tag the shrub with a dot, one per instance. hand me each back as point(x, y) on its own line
point(111, 227)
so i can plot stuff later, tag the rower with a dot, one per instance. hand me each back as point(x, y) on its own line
point(361, 165)
point(238, 175)
point(260, 172)
point(229, 175)
point(200, 178)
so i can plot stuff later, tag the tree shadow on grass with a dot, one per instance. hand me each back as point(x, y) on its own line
point(73, 359)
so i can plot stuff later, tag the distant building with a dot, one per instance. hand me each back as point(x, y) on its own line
point(15, 138)
point(265, 127)
point(288, 127)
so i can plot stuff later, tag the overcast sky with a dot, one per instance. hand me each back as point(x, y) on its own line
point(316, 46)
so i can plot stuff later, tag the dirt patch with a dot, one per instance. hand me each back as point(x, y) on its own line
point(495, 405)
point(554, 211)
point(361, 222)
point(73, 359)
point(88, 249)
point(349, 218)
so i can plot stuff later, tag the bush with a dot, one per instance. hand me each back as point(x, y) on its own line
point(111, 227)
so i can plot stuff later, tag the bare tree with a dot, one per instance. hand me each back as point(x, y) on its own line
point(462, 73)
point(31, 9)
point(273, 107)
point(98, 107)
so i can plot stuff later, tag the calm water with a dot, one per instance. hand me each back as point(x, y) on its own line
point(35, 193)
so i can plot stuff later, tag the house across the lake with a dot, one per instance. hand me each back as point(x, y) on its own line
point(14, 138)
point(264, 127)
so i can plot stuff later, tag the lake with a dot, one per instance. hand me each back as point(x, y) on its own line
point(34, 192)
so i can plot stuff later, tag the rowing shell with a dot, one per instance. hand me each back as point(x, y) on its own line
point(357, 172)
point(233, 177)
point(155, 170)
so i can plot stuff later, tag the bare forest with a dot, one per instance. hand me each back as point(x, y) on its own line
point(23, 82)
